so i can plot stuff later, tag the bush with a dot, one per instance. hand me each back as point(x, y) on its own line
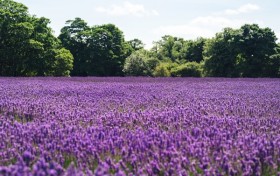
point(164, 69)
point(190, 69)
point(151, 64)
point(135, 65)
point(140, 64)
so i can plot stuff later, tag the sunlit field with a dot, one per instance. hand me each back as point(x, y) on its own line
point(139, 126)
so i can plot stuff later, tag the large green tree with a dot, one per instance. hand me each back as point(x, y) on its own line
point(136, 44)
point(168, 47)
point(256, 45)
point(179, 50)
point(193, 50)
point(15, 31)
point(74, 37)
point(220, 54)
point(98, 50)
point(26, 43)
point(250, 51)
point(110, 50)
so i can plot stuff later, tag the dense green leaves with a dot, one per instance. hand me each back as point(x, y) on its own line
point(220, 55)
point(29, 48)
point(256, 45)
point(250, 51)
point(74, 37)
point(135, 65)
point(63, 62)
point(162, 70)
point(190, 69)
point(140, 64)
point(27, 45)
point(98, 50)
point(193, 50)
point(136, 44)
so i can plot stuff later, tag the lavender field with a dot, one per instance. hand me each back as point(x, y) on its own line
point(139, 126)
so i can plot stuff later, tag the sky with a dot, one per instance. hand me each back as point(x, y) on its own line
point(149, 20)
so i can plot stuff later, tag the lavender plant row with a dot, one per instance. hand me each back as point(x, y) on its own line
point(139, 126)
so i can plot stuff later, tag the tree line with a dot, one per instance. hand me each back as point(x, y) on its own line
point(28, 47)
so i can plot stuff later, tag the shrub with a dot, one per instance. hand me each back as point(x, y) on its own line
point(135, 65)
point(140, 64)
point(164, 69)
point(190, 69)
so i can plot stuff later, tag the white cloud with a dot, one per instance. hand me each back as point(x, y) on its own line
point(186, 31)
point(247, 8)
point(216, 21)
point(208, 26)
point(127, 8)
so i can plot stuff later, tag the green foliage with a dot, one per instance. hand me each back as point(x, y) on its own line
point(161, 71)
point(63, 62)
point(26, 42)
point(74, 37)
point(273, 66)
point(168, 47)
point(135, 65)
point(190, 69)
point(220, 55)
point(136, 44)
point(245, 52)
point(140, 64)
point(193, 50)
point(176, 48)
point(69, 159)
point(151, 63)
point(256, 45)
point(29, 48)
point(164, 69)
point(98, 50)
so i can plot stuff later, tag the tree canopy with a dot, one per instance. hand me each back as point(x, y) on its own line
point(98, 50)
point(250, 51)
point(28, 47)
point(140, 63)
